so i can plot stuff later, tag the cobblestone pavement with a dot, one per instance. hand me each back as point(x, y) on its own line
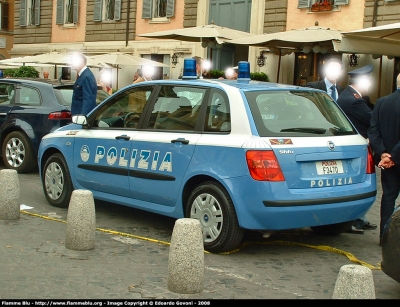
point(130, 258)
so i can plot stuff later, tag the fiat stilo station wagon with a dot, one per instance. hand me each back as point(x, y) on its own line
point(236, 155)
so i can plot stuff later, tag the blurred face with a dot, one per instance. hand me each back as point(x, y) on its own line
point(77, 62)
point(363, 84)
point(46, 74)
point(206, 65)
point(333, 71)
point(148, 71)
point(106, 77)
point(231, 74)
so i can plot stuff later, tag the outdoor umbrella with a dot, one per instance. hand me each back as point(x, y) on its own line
point(315, 38)
point(120, 58)
point(380, 40)
point(53, 58)
point(216, 35)
point(210, 32)
point(16, 61)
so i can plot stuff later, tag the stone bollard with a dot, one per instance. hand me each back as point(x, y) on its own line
point(81, 221)
point(9, 195)
point(186, 257)
point(354, 282)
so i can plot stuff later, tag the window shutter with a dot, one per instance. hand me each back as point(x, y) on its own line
point(98, 10)
point(37, 12)
point(304, 4)
point(117, 10)
point(170, 8)
point(340, 2)
point(147, 8)
point(75, 15)
point(60, 12)
point(22, 13)
point(4, 17)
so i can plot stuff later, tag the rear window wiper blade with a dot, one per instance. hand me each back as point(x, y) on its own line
point(305, 130)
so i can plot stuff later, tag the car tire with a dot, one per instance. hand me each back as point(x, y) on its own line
point(333, 229)
point(212, 206)
point(17, 153)
point(56, 181)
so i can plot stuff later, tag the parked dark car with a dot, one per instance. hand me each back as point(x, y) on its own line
point(29, 109)
point(391, 247)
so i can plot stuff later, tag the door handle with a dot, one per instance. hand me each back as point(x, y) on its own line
point(123, 137)
point(183, 141)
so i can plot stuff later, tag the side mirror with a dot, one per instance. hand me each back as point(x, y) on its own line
point(80, 120)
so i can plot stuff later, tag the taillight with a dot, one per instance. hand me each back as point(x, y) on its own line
point(264, 166)
point(370, 162)
point(60, 115)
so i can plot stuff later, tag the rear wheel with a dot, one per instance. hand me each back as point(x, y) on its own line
point(211, 205)
point(56, 181)
point(333, 229)
point(17, 153)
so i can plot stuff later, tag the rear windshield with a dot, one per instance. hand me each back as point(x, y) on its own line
point(297, 113)
point(64, 96)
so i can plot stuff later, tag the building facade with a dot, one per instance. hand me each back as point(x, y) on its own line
point(6, 28)
point(102, 26)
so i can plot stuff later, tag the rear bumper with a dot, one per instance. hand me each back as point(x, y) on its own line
point(272, 206)
point(322, 201)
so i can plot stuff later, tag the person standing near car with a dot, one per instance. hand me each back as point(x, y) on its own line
point(353, 103)
point(333, 70)
point(384, 138)
point(146, 74)
point(85, 86)
point(355, 106)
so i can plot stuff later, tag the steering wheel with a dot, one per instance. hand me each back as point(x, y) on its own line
point(131, 120)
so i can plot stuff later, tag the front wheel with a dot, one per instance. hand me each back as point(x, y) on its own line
point(56, 181)
point(212, 206)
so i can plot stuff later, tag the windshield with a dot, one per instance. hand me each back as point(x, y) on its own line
point(298, 113)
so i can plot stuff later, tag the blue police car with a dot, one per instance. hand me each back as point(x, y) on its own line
point(235, 154)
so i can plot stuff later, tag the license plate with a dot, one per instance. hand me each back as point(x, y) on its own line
point(329, 167)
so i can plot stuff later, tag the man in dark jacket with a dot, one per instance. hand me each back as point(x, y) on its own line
point(353, 103)
point(85, 86)
point(355, 106)
point(384, 138)
point(333, 70)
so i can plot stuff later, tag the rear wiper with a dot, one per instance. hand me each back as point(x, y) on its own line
point(305, 130)
point(339, 131)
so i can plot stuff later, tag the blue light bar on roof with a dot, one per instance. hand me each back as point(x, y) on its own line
point(189, 69)
point(243, 71)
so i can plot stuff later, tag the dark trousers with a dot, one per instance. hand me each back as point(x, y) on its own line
point(390, 180)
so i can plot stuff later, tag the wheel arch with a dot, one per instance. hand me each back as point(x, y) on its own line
point(195, 181)
point(45, 155)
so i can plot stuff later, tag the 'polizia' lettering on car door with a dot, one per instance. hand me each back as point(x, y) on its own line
point(145, 160)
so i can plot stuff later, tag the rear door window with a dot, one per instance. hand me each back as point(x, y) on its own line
point(6, 93)
point(28, 96)
point(176, 108)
